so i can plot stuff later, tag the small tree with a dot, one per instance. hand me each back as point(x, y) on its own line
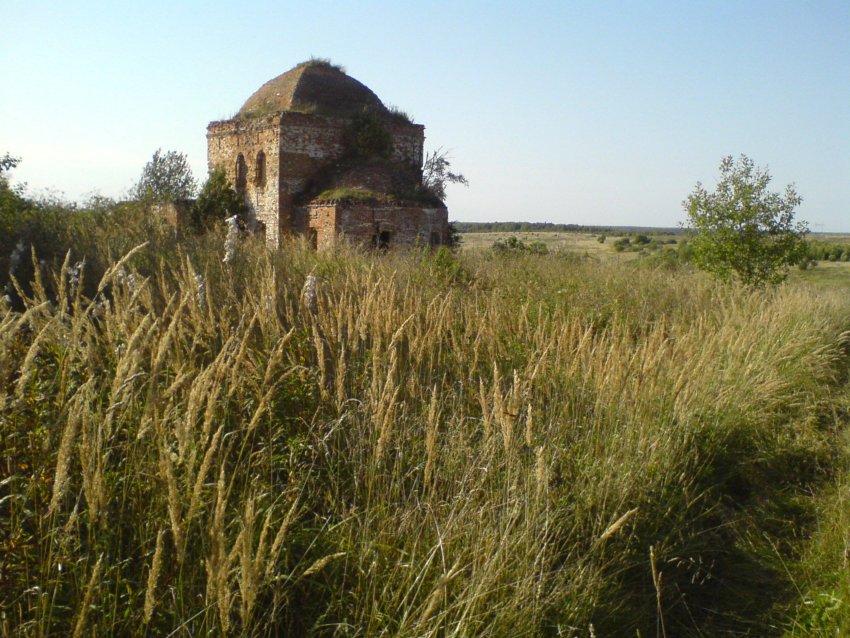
point(166, 178)
point(742, 229)
point(436, 174)
point(217, 201)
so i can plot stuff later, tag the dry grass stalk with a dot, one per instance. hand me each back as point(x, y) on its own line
point(339, 377)
point(29, 367)
point(541, 473)
point(321, 563)
point(92, 458)
point(431, 431)
point(217, 563)
point(203, 471)
point(63, 460)
point(438, 594)
point(279, 538)
point(321, 359)
point(656, 581)
point(153, 578)
point(529, 427)
point(617, 525)
point(486, 413)
point(118, 266)
point(167, 476)
point(385, 410)
point(82, 614)
point(248, 572)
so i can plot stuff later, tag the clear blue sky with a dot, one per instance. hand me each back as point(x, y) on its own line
point(571, 112)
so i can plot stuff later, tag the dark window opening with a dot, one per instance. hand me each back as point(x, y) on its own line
point(260, 172)
point(435, 238)
point(381, 240)
point(313, 238)
point(241, 173)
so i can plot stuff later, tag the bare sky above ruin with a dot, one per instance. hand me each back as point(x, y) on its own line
point(602, 113)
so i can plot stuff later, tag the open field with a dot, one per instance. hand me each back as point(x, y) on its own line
point(420, 443)
point(577, 242)
point(827, 274)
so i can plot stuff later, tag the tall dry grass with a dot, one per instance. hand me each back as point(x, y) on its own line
point(425, 445)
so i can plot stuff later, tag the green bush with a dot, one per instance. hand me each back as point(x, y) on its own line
point(622, 244)
point(515, 246)
point(368, 137)
point(217, 201)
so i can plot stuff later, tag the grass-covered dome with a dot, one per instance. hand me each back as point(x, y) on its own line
point(313, 86)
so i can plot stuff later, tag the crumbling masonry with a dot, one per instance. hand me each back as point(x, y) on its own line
point(315, 152)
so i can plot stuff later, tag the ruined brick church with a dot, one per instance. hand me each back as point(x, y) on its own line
point(316, 153)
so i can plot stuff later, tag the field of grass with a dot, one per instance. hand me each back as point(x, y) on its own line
point(580, 243)
point(419, 444)
point(573, 241)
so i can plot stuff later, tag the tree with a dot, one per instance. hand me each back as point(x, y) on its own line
point(743, 230)
point(217, 201)
point(12, 203)
point(436, 174)
point(166, 178)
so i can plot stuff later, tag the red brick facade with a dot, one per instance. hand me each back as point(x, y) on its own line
point(272, 159)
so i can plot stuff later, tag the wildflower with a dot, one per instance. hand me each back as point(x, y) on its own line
point(127, 279)
point(231, 240)
point(309, 298)
point(15, 259)
point(74, 273)
point(201, 283)
point(101, 307)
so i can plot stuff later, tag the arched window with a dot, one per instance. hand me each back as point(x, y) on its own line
point(241, 173)
point(260, 172)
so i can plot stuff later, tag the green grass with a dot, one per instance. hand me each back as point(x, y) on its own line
point(350, 194)
point(435, 444)
point(826, 275)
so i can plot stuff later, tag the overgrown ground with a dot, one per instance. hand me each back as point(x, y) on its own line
point(417, 444)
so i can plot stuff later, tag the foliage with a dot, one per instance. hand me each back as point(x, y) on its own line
point(368, 137)
point(742, 230)
point(624, 243)
point(320, 62)
point(828, 251)
point(217, 201)
point(399, 114)
point(437, 174)
point(515, 246)
point(7, 162)
point(455, 238)
point(165, 178)
point(353, 194)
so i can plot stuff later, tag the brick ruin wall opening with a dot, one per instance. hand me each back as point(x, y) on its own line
point(271, 159)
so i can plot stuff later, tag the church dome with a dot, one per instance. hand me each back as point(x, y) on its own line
point(315, 86)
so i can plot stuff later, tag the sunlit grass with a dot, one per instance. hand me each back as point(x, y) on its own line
point(433, 445)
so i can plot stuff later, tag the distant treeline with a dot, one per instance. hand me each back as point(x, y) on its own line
point(526, 227)
point(549, 227)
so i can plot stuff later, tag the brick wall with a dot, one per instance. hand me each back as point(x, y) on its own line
point(226, 140)
point(362, 223)
point(296, 146)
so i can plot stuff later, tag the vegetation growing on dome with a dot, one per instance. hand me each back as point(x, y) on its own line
point(324, 63)
point(353, 194)
point(399, 114)
point(368, 137)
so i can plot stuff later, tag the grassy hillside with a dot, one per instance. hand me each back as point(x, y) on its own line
point(414, 444)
